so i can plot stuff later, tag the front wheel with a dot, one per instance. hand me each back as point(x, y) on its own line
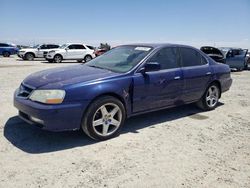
point(29, 56)
point(58, 59)
point(210, 98)
point(104, 118)
point(6, 54)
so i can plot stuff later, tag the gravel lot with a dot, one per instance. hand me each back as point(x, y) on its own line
point(180, 147)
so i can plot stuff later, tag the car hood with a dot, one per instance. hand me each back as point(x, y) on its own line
point(64, 76)
point(29, 49)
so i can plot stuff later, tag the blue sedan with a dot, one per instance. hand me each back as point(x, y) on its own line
point(129, 80)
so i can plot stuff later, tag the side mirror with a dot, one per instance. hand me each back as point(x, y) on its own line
point(150, 67)
point(66, 48)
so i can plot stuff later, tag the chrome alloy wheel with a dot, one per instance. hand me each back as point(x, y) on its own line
point(107, 119)
point(212, 96)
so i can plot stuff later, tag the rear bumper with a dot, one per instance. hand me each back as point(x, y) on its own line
point(51, 117)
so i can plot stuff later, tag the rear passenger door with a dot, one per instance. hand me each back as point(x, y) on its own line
point(159, 88)
point(71, 52)
point(41, 50)
point(196, 73)
point(81, 51)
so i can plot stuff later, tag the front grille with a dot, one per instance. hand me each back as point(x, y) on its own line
point(24, 91)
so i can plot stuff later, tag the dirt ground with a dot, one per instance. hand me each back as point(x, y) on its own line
point(180, 147)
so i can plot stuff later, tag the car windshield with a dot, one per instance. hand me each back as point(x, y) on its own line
point(120, 59)
point(36, 46)
point(63, 46)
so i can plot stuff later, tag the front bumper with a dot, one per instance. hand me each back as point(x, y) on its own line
point(21, 55)
point(49, 56)
point(50, 117)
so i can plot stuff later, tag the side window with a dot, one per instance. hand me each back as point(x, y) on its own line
point(71, 47)
point(191, 57)
point(166, 57)
point(79, 47)
point(4, 45)
point(54, 46)
point(43, 47)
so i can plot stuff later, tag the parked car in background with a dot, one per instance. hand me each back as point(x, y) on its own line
point(128, 80)
point(214, 53)
point(248, 58)
point(37, 51)
point(99, 52)
point(71, 51)
point(8, 49)
point(23, 46)
point(236, 58)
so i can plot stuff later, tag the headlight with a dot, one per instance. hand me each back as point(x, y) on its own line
point(52, 51)
point(48, 96)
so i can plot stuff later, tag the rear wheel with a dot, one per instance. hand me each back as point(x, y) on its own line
point(6, 54)
point(104, 118)
point(29, 56)
point(210, 98)
point(87, 58)
point(58, 58)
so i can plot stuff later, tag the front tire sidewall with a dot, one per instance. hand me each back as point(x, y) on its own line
point(87, 126)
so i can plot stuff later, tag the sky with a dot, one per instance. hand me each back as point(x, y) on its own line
point(192, 22)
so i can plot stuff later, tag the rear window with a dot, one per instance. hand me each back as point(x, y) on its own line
point(91, 47)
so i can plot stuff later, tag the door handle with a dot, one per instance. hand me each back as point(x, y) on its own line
point(177, 77)
point(208, 73)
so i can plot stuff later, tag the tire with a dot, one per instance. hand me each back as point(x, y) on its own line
point(210, 99)
point(104, 118)
point(29, 56)
point(50, 60)
point(58, 58)
point(87, 58)
point(6, 54)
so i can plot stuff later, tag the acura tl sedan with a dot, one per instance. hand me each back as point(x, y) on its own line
point(129, 80)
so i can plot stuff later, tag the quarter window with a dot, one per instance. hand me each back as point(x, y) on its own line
point(166, 57)
point(191, 57)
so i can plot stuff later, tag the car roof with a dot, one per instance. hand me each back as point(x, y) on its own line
point(158, 45)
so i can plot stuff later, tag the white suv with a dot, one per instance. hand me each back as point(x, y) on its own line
point(71, 51)
point(37, 51)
